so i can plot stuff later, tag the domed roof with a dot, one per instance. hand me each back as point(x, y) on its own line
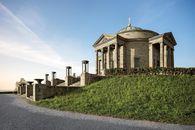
point(129, 28)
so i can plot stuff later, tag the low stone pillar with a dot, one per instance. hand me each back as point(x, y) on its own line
point(85, 66)
point(84, 79)
point(68, 73)
point(53, 80)
point(85, 73)
point(68, 70)
point(35, 92)
point(47, 82)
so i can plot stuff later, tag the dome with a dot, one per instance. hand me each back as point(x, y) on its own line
point(129, 28)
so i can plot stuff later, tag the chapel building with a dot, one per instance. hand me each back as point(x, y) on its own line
point(134, 47)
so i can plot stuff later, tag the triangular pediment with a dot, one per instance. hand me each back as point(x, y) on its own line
point(103, 38)
point(169, 36)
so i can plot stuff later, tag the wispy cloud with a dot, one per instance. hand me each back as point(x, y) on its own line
point(18, 40)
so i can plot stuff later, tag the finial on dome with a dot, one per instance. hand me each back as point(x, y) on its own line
point(129, 21)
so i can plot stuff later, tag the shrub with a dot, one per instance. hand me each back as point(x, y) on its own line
point(150, 71)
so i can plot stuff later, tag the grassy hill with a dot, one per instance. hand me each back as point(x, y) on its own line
point(157, 98)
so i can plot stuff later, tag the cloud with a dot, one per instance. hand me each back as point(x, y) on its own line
point(18, 40)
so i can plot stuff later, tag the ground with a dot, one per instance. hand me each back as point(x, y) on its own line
point(17, 114)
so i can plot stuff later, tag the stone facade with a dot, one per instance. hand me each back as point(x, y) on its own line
point(133, 47)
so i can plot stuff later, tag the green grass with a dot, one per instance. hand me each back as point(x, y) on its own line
point(157, 98)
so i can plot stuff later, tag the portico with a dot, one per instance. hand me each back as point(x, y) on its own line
point(108, 57)
point(161, 51)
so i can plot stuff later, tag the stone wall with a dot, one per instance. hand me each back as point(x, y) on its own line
point(87, 78)
point(29, 91)
point(23, 89)
point(71, 80)
point(42, 91)
point(141, 51)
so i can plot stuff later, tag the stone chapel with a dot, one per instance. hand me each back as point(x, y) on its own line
point(134, 47)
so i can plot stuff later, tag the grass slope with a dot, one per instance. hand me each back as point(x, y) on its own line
point(157, 98)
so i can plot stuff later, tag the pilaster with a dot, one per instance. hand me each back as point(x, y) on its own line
point(132, 58)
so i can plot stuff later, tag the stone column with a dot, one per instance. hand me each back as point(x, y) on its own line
point(108, 57)
point(102, 50)
point(151, 51)
point(161, 54)
point(97, 62)
point(86, 66)
point(46, 78)
point(68, 70)
point(165, 56)
point(172, 59)
point(116, 55)
point(169, 58)
point(132, 58)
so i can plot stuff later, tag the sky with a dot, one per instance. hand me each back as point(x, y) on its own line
point(41, 36)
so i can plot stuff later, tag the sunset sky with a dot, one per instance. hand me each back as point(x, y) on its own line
point(40, 36)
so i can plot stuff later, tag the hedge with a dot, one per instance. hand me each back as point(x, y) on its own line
point(151, 71)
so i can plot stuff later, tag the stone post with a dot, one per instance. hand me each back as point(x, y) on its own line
point(85, 76)
point(68, 78)
point(53, 82)
point(86, 66)
point(165, 56)
point(46, 78)
point(68, 70)
point(36, 92)
point(161, 54)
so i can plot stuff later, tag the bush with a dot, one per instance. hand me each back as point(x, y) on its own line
point(151, 71)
